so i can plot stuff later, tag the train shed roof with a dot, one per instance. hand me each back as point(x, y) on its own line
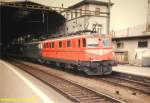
point(22, 18)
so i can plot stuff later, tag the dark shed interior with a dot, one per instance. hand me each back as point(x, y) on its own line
point(20, 21)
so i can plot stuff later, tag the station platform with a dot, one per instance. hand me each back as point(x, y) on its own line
point(18, 86)
point(135, 70)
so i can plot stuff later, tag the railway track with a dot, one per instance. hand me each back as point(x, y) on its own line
point(74, 92)
point(133, 82)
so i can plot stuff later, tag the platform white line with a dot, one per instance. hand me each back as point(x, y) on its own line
point(41, 94)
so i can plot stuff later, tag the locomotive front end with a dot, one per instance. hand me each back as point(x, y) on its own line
point(99, 55)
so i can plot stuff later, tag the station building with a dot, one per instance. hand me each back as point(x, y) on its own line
point(87, 15)
point(132, 49)
point(131, 43)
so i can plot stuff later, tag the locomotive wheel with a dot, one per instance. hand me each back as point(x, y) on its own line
point(41, 61)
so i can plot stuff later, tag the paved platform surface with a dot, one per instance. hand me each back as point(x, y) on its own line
point(17, 84)
point(141, 71)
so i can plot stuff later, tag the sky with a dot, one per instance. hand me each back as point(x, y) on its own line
point(66, 3)
point(124, 13)
point(128, 13)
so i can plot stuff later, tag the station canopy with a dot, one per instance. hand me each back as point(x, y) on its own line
point(23, 18)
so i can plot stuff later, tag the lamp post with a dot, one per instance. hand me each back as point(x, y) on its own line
point(108, 22)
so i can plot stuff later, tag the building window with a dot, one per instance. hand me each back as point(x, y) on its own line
point(120, 45)
point(67, 29)
point(142, 44)
point(60, 44)
point(68, 43)
point(97, 11)
point(80, 12)
point(86, 11)
point(71, 15)
point(67, 15)
point(76, 14)
point(84, 42)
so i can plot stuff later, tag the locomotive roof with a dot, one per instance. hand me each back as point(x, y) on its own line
point(35, 42)
point(68, 37)
point(74, 36)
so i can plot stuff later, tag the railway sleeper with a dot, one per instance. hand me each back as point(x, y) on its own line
point(93, 100)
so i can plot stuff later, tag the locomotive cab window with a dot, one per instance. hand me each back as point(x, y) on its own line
point(106, 42)
point(92, 42)
point(84, 42)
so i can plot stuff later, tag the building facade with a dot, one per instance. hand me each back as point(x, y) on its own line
point(87, 15)
point(131, 34)
point(133, 50)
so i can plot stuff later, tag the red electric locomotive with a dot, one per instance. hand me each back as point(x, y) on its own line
point(89, 53)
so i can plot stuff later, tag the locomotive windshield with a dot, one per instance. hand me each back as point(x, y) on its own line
point(92, 42)
point(106, 42)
